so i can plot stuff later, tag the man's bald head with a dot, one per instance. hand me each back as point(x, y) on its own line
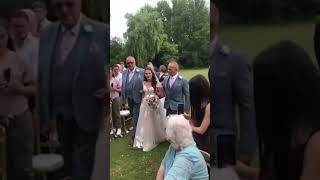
point(131, 62)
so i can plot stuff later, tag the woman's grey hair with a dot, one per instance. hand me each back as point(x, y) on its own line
point(179, 132)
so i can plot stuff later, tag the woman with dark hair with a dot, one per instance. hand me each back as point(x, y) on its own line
point(16, 84)
point(287, 100)
point(151, 123)
point(200, 110)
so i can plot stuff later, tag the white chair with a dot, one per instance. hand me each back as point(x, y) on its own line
point(42, 163)
point(47, 163)
point(124, 116)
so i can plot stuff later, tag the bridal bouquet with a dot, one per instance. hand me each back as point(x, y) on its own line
point(153, 101)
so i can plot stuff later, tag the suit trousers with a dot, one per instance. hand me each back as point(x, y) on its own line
point(79, 149)
point(20, 147)
point(135, 111)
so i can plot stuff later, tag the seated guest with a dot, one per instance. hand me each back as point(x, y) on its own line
point(287, 101)
point(200, 111)
point(183, 159)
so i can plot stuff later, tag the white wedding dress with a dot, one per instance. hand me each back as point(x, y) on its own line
point(151, 124)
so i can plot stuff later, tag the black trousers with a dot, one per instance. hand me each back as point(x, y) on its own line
point(79, 149)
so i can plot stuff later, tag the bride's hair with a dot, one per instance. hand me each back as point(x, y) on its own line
point(154, 79)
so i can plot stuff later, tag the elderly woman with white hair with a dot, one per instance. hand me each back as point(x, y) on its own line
point(183, 159)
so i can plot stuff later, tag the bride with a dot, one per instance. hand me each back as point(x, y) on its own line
point(151, 126)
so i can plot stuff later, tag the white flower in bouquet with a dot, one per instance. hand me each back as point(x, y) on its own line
point(153, 101)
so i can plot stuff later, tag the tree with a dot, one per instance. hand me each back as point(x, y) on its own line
point(116, 50)
point(190, 30)
point(145, 35)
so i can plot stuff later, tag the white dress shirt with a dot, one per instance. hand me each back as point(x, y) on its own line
point(172, 79)
point(131, 73)
point(29, 50)
point(69, 38)
point(119, 78)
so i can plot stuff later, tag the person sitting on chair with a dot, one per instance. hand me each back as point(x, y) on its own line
point(183, 159)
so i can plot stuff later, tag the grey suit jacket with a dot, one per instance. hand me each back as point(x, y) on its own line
point(137, 84)
point(231, 79)
point(178, 93)
point(91, 52)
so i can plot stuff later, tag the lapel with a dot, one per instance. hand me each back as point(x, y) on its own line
point(48, 55)
point(80, 47)
point(175, 82)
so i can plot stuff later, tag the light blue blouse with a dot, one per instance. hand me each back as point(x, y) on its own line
point(187, 164)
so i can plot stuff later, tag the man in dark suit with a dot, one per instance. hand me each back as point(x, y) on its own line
point(231, 80)
point(72, 81)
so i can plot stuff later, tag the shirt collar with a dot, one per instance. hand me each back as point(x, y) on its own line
point(133, 70)
point(175, 76)
point(24, 41)
point(44, 22)
point(75, 29)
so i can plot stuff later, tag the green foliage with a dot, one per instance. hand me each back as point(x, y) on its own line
point(116, 50)
point(145, 35)
point(257, 11)
point(180, 32)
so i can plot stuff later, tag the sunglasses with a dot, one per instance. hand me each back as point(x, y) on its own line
point(60, 5)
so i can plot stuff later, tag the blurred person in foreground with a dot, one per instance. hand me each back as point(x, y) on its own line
point(287, 100)
point(183, 159)
point(72, 83)
point(16, 85)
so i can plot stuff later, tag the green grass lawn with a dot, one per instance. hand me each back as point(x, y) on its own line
point(252, 39)
point(129, 164)
point(189, 73)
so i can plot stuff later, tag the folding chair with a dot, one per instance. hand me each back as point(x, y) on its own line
point(44, 163)
point(206, 157)
point(125, 117)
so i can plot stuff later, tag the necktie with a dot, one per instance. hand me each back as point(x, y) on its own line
point(171, 81)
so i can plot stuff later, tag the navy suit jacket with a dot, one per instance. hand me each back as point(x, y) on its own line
point(91, 53)
point(231, 85)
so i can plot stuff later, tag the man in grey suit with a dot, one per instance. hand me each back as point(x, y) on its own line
point(231, 80)
point(71, 83)
point(132, 85)
point(176, 89)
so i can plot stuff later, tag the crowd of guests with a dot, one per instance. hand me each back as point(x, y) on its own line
point(46, 72)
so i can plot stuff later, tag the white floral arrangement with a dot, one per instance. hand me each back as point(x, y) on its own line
point(153, 101)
